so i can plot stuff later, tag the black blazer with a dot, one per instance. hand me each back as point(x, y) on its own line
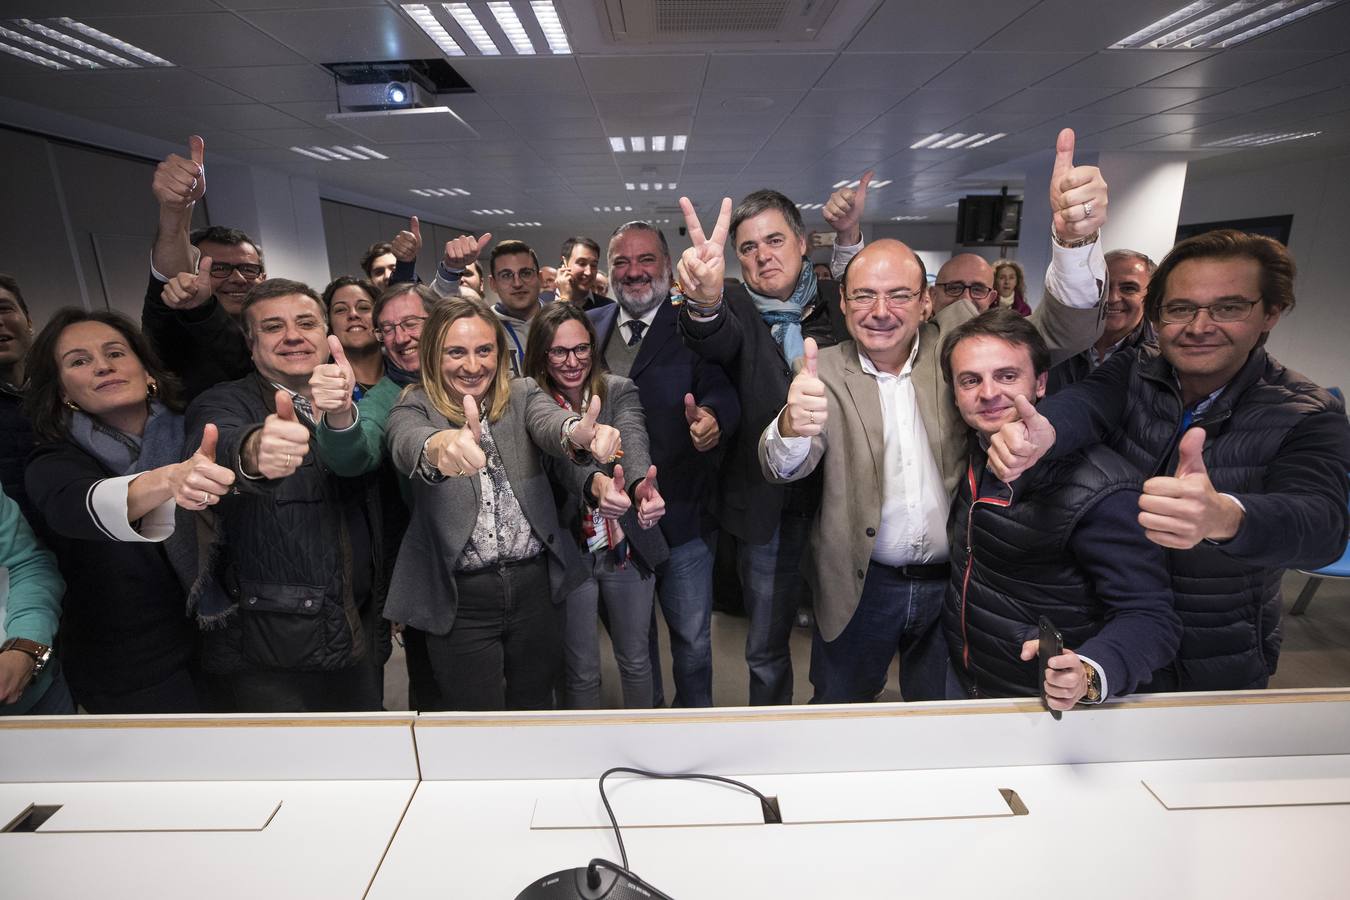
point(664, 371)
point(740, 342)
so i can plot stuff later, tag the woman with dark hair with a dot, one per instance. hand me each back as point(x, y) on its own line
point(484, 562)
point(105, 479)
point(350, 303)
point(1010, 287)
point(619, 555)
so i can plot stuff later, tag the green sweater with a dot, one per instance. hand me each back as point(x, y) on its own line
point(30, 593)
point(360, 449)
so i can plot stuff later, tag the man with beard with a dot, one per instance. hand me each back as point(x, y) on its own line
point(198, 281)
point(690, 407)
point(1123, 323)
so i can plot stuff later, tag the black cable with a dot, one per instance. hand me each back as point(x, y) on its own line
point(771, 814)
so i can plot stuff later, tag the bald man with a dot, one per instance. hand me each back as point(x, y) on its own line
point(875, 413)
point(964, 275)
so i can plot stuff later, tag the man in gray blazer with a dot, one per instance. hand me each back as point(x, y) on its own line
point(877, 559)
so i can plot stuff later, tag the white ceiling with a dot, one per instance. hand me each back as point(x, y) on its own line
point(884, 75)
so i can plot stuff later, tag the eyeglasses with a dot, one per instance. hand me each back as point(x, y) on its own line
point(895, 300)
point(955, 289)
point(559, 354)
point(1219, 311)
point(526, 274)
point(412, 326)
point(247, 271)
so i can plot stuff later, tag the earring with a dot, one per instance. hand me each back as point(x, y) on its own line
point(152, 389)
point(69, 405)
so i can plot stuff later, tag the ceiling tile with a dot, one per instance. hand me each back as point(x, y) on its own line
point(517, 75)
point(1325, 30)
point(900, 25)
point(672, 106)
point(1234, 67)
point(1009, 71)
point(818, 103)
point(1068, 25)
point(346, 35)
point(640, 74)
point(756, 72)
point(1245, 99)
point(313, 113)
point(1146, 101)
point(203, 39)
point(157, 87)
point(890, 73)
point(1323, 73)
point(1124, 68)
point(275, 84)
point(1038, 101)
point(241, 116)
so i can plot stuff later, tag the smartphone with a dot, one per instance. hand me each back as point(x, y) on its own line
point(1052, 645)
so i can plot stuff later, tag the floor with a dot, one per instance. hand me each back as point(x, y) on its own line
point(1316, 653)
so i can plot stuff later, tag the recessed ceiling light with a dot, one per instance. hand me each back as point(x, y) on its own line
point(640, 143)
point(678, 142)
point(1261, 139)
point(117, 44)
point(919, 145)
point(493, 212)
point(421, 14)
point(629, 186)
point(51, 50)
point(617, 145)
point(810, 206)
point(473, 28)
point(1219, 23)
point(958, 140)
point(303, 152)
point(908, 218)
point(510, 24)
point(524, 224)
point(76, 43)
point(547, 15)
point(339, 154)
point(31, 57)
point(441, 192)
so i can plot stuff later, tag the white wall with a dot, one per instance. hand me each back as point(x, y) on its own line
point(1315, 337)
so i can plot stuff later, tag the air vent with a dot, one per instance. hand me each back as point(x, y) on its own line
point(718, 21)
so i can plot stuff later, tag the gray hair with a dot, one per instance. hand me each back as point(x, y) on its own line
point(1124, 253)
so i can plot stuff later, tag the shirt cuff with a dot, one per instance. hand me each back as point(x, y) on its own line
point(1077, 275)
point(841, 254)
point(107, 502)
point(786, 454)
point(700, 314)
point(356, 420)
point(155, 272)
point(1101, 676)
point(425, 469)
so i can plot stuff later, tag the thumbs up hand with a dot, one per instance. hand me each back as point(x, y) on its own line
point(704, 430)
point(807, 409)
point(197, 481)
point(282, 442)
point(651, 505)
point(459, 451)
point(465, 249)
point(331, 384)
point(189, 290)
point(1019, 445)
point(1077, 193)
point(1182, 510)
point(603, 441)
point(180, 181)
point(611, 499)
point(408, 243)
point(844, 210)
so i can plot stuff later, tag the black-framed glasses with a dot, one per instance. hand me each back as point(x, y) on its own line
point(248, 271)
point(895, 300)
point(525, 274)
point(955, 289)
point(1184, 313)
point(559, 354)
point(411, 325)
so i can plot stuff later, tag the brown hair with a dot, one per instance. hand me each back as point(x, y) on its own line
point(42, 401)
point(374, 252)
point(270, 290)
point(542, 331)
point(1005, 324)
point(430, 299)
point(1277, 266)
point(1020, 288)
point(431, 346)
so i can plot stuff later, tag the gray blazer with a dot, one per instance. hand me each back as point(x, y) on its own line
point(422, 592)
point(844, 531)
point(623, 410)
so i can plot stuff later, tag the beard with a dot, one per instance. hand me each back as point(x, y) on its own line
point(642, 295)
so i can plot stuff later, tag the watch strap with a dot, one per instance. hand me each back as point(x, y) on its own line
point(41, 653)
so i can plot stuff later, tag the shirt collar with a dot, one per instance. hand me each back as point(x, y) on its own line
point(870, 368)
point(646, 320)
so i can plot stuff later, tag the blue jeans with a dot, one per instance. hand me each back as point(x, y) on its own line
point(895, 613)
point(627, 595)
point(772, 584)
point(684, 585)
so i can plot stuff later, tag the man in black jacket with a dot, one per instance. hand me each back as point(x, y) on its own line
point(1064, 545)
point(295, 572)
point(1248, 458)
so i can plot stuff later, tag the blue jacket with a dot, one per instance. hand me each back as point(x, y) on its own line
point(665, 370)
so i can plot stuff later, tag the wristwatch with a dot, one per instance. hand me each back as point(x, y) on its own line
point(41, 653)
point(1094, 684)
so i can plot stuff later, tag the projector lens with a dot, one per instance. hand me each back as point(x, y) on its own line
point(396, 94)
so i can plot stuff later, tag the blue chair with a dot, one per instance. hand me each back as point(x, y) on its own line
point(1339, 569)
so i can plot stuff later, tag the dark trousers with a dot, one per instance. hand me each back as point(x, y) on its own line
point(177, 693)
point(895, 613)
point(341, 690)
point(505, 648)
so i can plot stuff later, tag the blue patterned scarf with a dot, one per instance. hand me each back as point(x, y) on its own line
point(784, 317)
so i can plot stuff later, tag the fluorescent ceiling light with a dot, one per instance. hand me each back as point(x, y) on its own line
point(76, 43)
point(339, 154)
point(369, 152)
point(510, 24)
point(630, 186)
point(547, 15)
point(966, 140)
point(421, 14)
point(1261, 139)
point(117, 44)
point(908, 218)
point(809, 206)
point(642, 144)
point(947, 141)
point(473, 28)
point(988, 140)
point(421, 193)
point(51, 50)
point(303, 152)
point(658, 186)
point(677, 144)
point(617, 145)
point(1218, 24)
point(31, 57)
point(638, 144)
point(642, 185)
point(919, 145)
point(838, 184)
point(628, 209)
point(347, 151)
point(659, 143)
point(461, 192)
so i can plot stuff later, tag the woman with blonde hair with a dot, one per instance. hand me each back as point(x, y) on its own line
point(482, 568)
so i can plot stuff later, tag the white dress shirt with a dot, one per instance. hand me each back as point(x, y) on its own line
point(914, 501)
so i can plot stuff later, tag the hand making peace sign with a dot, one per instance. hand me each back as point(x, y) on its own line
point(701, 267)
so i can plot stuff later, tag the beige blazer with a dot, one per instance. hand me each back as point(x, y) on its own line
point(846, 522)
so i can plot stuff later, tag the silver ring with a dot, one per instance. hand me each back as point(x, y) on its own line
point(206, 498)
point(1087, 209)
